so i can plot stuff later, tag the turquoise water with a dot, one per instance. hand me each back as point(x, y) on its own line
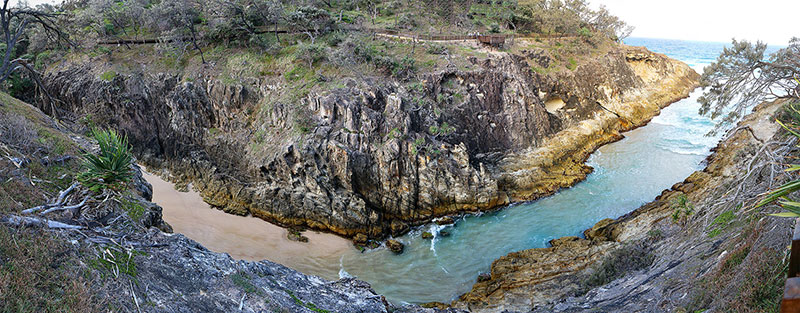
point(627, 174)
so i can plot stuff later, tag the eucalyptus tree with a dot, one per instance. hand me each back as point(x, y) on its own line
point(178, 21)
point(609, 25)
point(14, 24)
point(247, 18)
point(310, 20)
point(115, 17)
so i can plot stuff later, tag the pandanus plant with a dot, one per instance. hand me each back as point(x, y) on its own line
point(111, 166)
point(781, 194)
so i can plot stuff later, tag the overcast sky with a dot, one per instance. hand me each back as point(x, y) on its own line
point(772, 21)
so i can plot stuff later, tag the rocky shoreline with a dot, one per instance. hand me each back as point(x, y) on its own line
point(375, 161)
point(555, 278)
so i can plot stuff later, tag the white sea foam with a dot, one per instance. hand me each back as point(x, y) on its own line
point(342, 272)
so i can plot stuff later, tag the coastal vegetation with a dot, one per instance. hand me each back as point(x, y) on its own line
point(111, 166)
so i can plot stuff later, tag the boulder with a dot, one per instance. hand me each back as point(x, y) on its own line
point(295, 235)
point(360, 240)
point(445, 221)
point(395, 246)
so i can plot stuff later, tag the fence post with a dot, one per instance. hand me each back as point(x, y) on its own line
point(791, 291)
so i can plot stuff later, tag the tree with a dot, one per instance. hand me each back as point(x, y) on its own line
point(310, 20)
point(14, 21)
point(742, 76)
point(609, 25)
point(177, 20)
point(271, 13)
point(114, 17)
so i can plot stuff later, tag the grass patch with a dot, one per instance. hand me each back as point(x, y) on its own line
point(134, 209)
point(748, 279)
point(115, 261)
point(720, 223)
point(38, 274)
point(307, 305)
point(108, 76)
point(242, 280)
point(735, 258)
point(628, 258)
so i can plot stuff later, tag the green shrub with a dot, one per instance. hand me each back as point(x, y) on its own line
point(311, 53)
point(108, 75)
point(720, 222)
point(572, 65)
point(627, 259)
point(585, 32)
point(111, 166)
point(437, 49)
point(683, 209)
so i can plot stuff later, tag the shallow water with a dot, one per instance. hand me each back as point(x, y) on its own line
point(245, 238)
point(627, 174)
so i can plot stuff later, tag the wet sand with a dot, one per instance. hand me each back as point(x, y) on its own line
point(247, 238)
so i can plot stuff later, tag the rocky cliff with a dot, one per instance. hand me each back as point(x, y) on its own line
point(114, 255)
point(372, 156)
point(700, 245)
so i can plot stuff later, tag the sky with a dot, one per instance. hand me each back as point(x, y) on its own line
point(771, 21)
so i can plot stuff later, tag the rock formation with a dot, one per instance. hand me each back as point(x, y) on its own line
point(369, 159)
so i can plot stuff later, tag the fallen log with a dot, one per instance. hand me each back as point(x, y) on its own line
point(26, 221)
point(59, 201)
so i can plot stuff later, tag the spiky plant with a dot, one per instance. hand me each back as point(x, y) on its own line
point(781, 194)
point(111, 166)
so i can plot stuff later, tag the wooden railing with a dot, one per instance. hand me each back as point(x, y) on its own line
point(791, 291)
point(492, 39)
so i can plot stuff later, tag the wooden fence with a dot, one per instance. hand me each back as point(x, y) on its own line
point(791, 291)
point(492, 39)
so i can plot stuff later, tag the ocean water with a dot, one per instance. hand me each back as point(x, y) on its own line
point(627, 174)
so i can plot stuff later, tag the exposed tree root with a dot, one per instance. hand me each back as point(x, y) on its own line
point(59, 201)
point(71, 208)
point(25, 221)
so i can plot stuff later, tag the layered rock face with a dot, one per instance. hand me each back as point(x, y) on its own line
point(373, 157)
point(723, 245)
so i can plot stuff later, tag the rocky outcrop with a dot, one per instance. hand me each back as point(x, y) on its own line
point(376, 158)
point(682, 255)
point(122, 256)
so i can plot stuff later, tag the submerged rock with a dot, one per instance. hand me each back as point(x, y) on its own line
point(427, 235)
point(445, 221)
point(395, 246)
point(295, 235)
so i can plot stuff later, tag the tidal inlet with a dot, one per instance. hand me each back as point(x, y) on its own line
point(398, 156)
